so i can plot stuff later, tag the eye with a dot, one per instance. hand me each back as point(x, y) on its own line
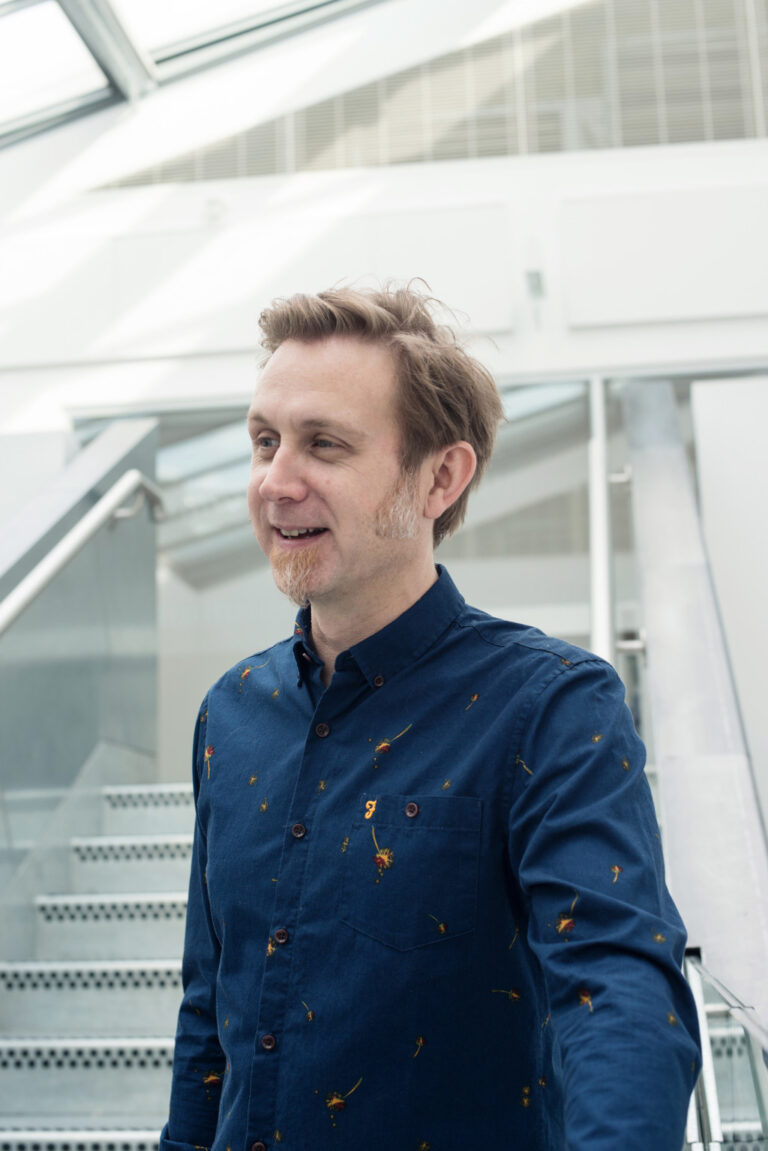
point(265, 444)
point(321, 442)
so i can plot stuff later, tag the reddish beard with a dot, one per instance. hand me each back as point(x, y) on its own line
point(292, 572)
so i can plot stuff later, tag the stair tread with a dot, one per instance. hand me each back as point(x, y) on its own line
point(53, 966)
point(184, 837)
point(113, 897)
point(93, 1042)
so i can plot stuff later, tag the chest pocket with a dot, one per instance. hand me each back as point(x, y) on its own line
point(410, 870)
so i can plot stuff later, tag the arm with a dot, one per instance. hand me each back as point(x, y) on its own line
point(585, 845)
point(198, 1062)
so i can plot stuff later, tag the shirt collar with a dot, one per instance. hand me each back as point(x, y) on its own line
point(397, 645)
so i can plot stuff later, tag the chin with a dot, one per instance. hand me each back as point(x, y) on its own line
point(295, 573)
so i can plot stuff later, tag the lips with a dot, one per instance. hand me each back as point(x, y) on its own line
point(299, 533)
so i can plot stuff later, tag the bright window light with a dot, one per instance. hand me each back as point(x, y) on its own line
point(156, 26)
point(43, 62)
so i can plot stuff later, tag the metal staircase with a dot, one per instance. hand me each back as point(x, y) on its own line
point(86, 1025)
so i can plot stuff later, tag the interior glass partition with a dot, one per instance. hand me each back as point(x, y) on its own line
point(78, 664)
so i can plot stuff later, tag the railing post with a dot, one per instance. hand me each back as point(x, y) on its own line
point(600, 559)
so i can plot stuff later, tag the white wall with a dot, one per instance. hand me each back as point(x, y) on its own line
point(108, 300)
point(730, 419)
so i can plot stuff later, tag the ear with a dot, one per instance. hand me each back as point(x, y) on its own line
point(452, 468)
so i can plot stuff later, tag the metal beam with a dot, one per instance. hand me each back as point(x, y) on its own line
point(126, 66)
point(715, 843)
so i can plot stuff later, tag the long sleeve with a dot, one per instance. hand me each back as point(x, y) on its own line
point(199, 1063)
point(585, 846)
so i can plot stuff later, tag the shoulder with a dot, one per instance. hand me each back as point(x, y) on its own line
point(265, 666)
point(523, 643)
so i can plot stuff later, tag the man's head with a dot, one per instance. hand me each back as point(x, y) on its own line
point(444, 395)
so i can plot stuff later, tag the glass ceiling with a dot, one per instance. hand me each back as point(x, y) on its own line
point(43, 61)
point(158, 26)
point(53, 68)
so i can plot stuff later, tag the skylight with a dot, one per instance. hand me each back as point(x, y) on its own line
point(43, 62)
point(156, 27)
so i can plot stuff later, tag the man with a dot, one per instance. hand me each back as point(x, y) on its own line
point(427, 906)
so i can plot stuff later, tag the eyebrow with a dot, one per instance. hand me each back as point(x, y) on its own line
point(312, 424)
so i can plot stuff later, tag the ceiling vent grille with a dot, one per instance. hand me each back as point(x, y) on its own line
point(604, 74)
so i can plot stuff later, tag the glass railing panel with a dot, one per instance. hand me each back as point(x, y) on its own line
point(78, 665)
point(738, 1068)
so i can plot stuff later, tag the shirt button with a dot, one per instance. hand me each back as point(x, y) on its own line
point(281, 935)
point(411, 810)
point(378, 681)
point(258, 1146)
point(268, 1042)
point(322, 730)
point(298, 831)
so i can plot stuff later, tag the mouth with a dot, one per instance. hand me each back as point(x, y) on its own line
point(299, 533)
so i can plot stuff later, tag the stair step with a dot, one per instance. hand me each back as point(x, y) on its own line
point(112, 926)
point(136, 809)
point(31, 1137)
point(140, 997)
point(116, 863)
point(123, 1080)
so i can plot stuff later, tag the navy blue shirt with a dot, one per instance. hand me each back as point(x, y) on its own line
point(427, 906)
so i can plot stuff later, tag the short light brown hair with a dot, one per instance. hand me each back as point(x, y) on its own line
point(445, 395)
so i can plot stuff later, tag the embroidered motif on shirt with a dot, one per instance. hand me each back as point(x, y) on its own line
point(384, 857)
point(336, 1102)
point(565, 922)
point(513, 996)
point(585, 998)
point(597, 737)
point(309, 1014)
point(616, 871)
point(520, 762)
point(514, 937)
point(472, 699)
point(420, 1041)
point(385, 745)
point(210, 749)
point(440, 927)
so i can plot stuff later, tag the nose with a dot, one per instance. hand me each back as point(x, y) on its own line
point(283, 477)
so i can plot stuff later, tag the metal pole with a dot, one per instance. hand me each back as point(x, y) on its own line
point(601, 575)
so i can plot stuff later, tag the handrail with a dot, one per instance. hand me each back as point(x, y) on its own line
point(108, 508)
point(745, 1016)
point(710, 1130)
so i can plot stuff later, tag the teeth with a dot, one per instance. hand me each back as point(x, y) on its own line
point(298, 532)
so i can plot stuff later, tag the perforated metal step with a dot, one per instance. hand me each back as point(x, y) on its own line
point(90, 1082)
point(113, 863)
point(116, 926)
point(148, 810)
point(95, 999)
point(77, 1139)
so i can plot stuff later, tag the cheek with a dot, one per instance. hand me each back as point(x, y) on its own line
point(255, 502)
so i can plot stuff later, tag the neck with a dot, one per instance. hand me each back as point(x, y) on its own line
point(336, 627)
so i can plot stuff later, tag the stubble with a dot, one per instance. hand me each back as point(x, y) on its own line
point(396, 518)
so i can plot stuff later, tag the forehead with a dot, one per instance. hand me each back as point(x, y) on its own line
point(339, 376)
